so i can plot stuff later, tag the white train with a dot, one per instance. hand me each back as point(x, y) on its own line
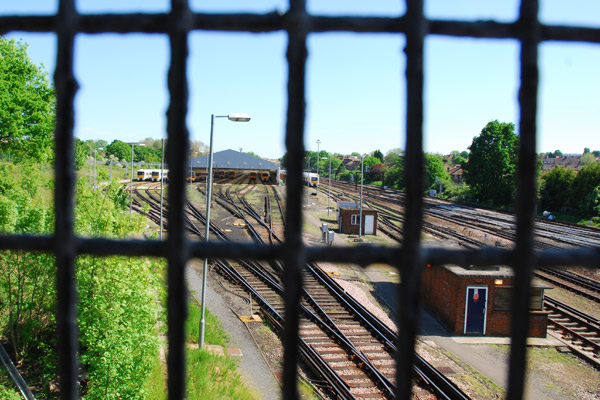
point(144, 174)
point(311, 179)
point(158, 174)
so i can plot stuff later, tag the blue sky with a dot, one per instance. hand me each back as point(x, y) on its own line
point(355, 92)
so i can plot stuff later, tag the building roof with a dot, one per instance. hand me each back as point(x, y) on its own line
point(498, 271)
point(231, 159)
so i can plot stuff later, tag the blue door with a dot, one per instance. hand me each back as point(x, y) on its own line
point(475, 310)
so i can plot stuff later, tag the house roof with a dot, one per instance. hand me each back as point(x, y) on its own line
point(231, 159)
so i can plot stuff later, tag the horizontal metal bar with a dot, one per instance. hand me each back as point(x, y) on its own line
point(275, 21)
point(361, 255)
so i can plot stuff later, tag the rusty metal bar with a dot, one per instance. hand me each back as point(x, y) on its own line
point(66, 313)
point(408, 296)
point(526, 189)
point(409, 259)
point(177, 145)
point(275, 21)
point(294, 252)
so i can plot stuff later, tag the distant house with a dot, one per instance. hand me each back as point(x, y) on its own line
point(455, 172)
point(351, 163)
point(570, 161)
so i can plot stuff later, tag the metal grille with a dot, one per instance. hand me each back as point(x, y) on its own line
point(409, 258)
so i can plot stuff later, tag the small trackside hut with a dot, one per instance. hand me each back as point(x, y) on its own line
point(348, 217)
point(477, 301)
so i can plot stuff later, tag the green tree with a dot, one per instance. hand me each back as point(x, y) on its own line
point(340, 170)
point(370, 161)
point(376, 173)
point(392, 157)
point(555, 190)
point(283, 160)
point(147, 154)
point(394, 177)
point(588, 159)
point(82, 152)
point(26, 279)
point(27, 105)
point(490, 171)
point(378, 154)
point(434, 168)
point(587, 179)
point(119, 149)
point(117, 309)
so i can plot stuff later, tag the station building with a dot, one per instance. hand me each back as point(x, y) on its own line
point(477, 301)
point(231, 160)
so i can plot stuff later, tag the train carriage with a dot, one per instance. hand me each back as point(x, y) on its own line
point(144, 174)
point(265, 176)
point(231, 174)
point(190, 176)
point(159, 174)
point(311, 179)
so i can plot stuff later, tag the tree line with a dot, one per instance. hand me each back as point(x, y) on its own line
point(489, 170)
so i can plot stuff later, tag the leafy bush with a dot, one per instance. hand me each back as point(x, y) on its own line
point(118, 297)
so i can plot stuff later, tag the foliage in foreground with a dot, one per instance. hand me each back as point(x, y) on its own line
point(26, 105)
point(117, 309)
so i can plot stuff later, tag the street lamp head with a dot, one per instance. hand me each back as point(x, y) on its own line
point(239, 117)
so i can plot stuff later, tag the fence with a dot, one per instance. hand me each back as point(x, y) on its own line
point(409, 258)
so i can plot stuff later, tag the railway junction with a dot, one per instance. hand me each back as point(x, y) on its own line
point(341, 354)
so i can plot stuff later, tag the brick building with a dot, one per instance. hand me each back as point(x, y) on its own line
point(477, 301)
point(348, 218)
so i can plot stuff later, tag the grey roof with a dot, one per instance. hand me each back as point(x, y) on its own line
point(231, 159)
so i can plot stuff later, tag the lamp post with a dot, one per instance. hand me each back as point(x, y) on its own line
point(329, 192)
point(95, 166)
point(307, 178)
point(94, 169)
point(91, 168)
point(131, 183)
point(235, 118)
point(361, 198)
point(318, 162)
point(162, 180)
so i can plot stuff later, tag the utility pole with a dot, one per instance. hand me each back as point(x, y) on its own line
point(318, 162)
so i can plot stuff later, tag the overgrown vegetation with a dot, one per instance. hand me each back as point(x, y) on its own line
point(118, 297)
point(26, 106)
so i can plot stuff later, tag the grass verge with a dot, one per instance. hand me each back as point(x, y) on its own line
point(212, 376)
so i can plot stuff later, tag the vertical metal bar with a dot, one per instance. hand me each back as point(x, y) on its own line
point(177, 157)
point(294, 253)
point(413, 175)
point(529, 31)
point(66, 290)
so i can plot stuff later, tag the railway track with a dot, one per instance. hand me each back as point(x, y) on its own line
point(341, 342)
point(500, 226)
point(580, 331)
